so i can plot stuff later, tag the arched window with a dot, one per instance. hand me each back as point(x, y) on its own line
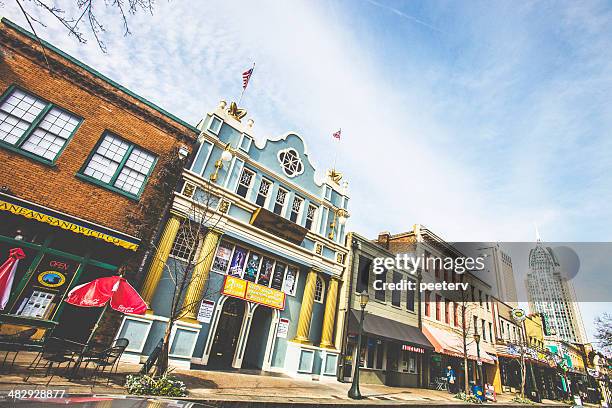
point(319, 290)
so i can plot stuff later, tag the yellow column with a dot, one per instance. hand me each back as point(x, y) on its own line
point(161, 256)
point(200, 273)
point(329, 317)
point(306, 309)
point(497, 379)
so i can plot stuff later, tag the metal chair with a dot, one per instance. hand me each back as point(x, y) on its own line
point(17, 342)
point(55, 351)
point(108, 358)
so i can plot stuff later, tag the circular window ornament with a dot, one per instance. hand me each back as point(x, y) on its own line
point(291, 162)
point(51, 279)
point(518, 315)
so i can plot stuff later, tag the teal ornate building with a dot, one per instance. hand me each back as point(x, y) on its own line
point(268, 267)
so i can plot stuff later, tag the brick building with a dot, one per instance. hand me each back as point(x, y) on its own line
point(86, 167)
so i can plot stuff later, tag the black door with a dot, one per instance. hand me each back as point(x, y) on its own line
point(226, 336)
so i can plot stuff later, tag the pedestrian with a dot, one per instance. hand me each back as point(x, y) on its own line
point(451, 379)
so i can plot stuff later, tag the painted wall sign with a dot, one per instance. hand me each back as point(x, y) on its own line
point(64, 224)
point(207, 307)
point(253, 292)
point(283, 328)
point(414, 349)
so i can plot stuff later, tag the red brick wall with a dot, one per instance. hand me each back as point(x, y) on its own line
point(70, 87)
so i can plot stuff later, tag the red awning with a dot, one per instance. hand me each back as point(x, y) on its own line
point(450, 343)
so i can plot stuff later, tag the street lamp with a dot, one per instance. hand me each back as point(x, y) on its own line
point(340, 216)
point(478, 362)
point(354, 393)
point(225, 157)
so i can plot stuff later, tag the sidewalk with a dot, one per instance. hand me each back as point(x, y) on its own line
point(248, 388)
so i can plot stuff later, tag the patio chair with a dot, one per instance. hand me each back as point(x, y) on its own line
point(108, 358)
point(17, 342)
point(55, 351)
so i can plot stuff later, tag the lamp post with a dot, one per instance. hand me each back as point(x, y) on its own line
point(354, 393)
point(225, 157)
point(340, 216)
point(478, 362)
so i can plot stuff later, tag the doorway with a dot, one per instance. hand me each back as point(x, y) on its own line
point(258, 338)
point(227, 333)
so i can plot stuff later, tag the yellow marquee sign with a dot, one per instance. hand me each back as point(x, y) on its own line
point(67, 225)
point(253, 292)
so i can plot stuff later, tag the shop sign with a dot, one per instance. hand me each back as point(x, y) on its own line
point(283, 328)
point(414, 349)
point(206, 311)
point(64, 224)
point(518, 315)
point(253, 292)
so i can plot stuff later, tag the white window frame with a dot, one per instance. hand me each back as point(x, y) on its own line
point(298, 217)
point(284, 209)
point(244, 137)
point(209, 127)
point(327, 194)
point(313, 220)
point(250, 186)
point(269, 195)
point(322, 294)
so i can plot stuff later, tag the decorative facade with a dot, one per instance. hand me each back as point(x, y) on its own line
point(270, 262)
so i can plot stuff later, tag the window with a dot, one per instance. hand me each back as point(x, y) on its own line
point(264, 191)
point(310, 214)
point(252, 267)
point(279, 203)
point(380, 294)
point(319, 290)
point(363, 274)
point(34, 127)
point(446, 311)
point(290, 161)
point(265, 272)
point(184, 244)
point(245, 143)
point(483, 326)
point(410, 299)
point(120, 165)
point(491, 332)
point(296, 209)
point(279, 275)
point(396, 295)
point(222, 258)
point(455, 314)
point(238, 261)
point(427, 305)
point(438, 305)
point(328, 193)
point(214, 126)
point(291, 278)
point(487, 302)
point(475, 324)
point(244, 183)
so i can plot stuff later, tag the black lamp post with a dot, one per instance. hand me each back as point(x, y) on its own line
point(354, 393)
point(478, 362)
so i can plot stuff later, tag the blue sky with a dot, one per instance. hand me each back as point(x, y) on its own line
point(477, 119)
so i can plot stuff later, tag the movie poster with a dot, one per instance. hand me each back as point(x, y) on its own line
point(238, 260)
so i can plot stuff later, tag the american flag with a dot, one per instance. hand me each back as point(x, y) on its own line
point(246, 76)
point(336, 135)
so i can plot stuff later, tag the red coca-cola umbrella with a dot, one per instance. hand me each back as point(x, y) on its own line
point(97, 293)
point(102, 292)
point(7, 274)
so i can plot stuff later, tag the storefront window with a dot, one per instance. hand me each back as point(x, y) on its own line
point(238, 260)
point(380, 354)
point(265, 272)
point(252, 267)
point(222, 258)
point(290, 281)
point(279, 273)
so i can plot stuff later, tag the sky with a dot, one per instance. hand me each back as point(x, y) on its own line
point(477, 119)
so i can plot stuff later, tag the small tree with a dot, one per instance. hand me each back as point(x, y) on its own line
point(200, 218)
point(603, 332)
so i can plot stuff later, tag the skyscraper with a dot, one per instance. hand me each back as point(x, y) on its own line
point(553, 296)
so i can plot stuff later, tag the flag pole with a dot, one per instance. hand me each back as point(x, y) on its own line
point(336, 150)
point(245, 87)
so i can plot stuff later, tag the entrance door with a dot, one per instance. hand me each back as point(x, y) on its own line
point(226, 336)
point(258, 338)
